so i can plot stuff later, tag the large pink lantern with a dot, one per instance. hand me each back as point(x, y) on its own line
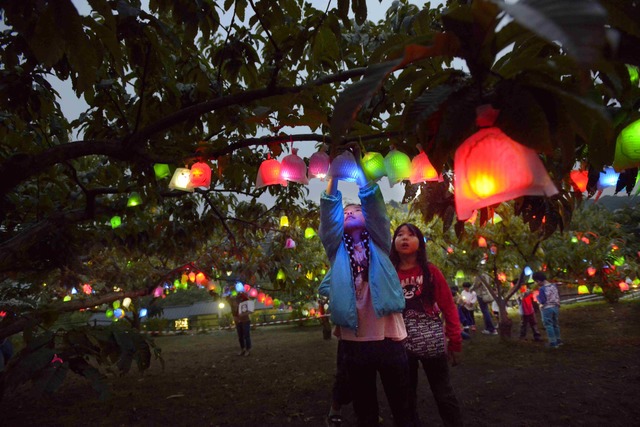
point(293, 168)
point(491, 168)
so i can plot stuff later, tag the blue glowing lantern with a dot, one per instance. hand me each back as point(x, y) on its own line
point(143, 312)
point(528, 271)
point(239, 287)
point(118, 313)
point(344, 167)
point(608, 178)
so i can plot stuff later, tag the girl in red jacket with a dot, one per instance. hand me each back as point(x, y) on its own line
point(426, 289)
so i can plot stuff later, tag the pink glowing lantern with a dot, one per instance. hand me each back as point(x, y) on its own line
point(591, 271)
point(319, 163)
point(158, 292)
point(87, 289)
point(253, 293)
point(269, 173)
point(200, 175)
point(491, 168)
point(290, 243)
point(293, 168)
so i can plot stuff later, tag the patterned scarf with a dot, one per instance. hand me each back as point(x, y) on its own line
point(358, 255)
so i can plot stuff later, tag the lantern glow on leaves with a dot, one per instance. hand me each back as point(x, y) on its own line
point(293, 168)
point(398, 166)
point(134, 200)
point(319, 163)
point(269, 173)
point(161, 170)
point(181, 180)
point(200, 175)
point(482, 177)
point(344, 167)
point(373, 165)
point(627, 154)
point(579, 179)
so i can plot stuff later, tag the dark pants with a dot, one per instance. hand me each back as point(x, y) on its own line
point(466, 317)
point(341, 392)
point(529, 320)
point(437, 370)
point(244, 334)
point(363, 361)
point(486, 315)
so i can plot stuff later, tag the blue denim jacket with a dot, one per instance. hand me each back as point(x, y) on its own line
point(386, 291)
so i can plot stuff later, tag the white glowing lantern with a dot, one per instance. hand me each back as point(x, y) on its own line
point(181, 180)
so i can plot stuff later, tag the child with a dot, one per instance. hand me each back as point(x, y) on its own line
point(549, 300)
point(469, 300)
point(528, 315)
point(366, 299)
point(426, 290)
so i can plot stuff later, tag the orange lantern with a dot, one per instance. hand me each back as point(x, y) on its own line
point(422, 170)
point(491, 168)
point(624, 286)
point(261, 297)
point(293, 168)
point(200, 278)
point(482, 242)
point(268, 301)
point(319, 163)
point(591, 271)
point(269, 173)
point(200, 175)
point(192, 277)
point(579, 180)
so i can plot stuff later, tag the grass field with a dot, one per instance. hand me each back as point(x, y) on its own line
point(593, 380)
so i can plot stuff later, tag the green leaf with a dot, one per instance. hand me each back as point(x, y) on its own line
point(427, 104)
point(578, 26)
point(359, 8)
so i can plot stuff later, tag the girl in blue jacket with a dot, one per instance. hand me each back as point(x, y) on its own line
point(365, 299)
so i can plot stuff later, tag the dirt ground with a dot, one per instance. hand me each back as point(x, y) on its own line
point(593, 380)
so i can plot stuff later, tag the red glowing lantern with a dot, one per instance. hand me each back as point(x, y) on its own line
point(268, 301)
point(269, 173)
point(261, 297)
point(482, 242)
point(591, 271)
point(87, 289)
point(579, 180)
point(319, 163)
point(200, 175)
point(293, 168)
point(624, 286)
point(491, 168)
point(200, 278)
point(422, 170)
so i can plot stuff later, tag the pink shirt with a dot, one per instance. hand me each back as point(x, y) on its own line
point(370, 326)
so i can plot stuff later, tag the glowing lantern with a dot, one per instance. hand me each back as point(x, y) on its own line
point(118, 313)
point(591, 271)
point(459, 274)
point(319, 164)
point(161, 170)
point(280, 275)
point(269, 173)
point(497, 219)
point(87, 289)
point(221, 305)
point(627, 154)
point(158, 291)
point(293, 168)
point(3, 314)
point(398, 166)
point(181, 180)
point(608, 178)
point(373, 165)
point(261, 297)
point(116, 221)
point(312, 312)
point(200, 175)
point(239, 287)
point(200, 278)
point(116, 304)
point(134, 200)
point(192, 277)
point(574, 239)
point(491, 168)
point(184, 278)
point(309, 233)
point(449, 250)
point(585, 240)
point(482, 242)
point(623, 286)
point(619, 261)
point(583, 290)
point(290, 243)
point(247, 288)
point(143, 312)
point(634, 76)
point(344, 167)
point(528, 271)
point(493, 249)
point(579, 179)
point(108, 313)
point(126, 302)
point(253, 293)
point(67, 298)
point(422, 170)
point(502, 277)
point(284, 221)
point(268, 301)
point(597, 289)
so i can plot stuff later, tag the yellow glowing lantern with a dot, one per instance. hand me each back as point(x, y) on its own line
point(309, 233)
point(373, 165)
point(284, 221)
point(181, 180)
point(627, 154)
point(583, 290)
point(491, 168)
point(398, 166)
point(184, 278)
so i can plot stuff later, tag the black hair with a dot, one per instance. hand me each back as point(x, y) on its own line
point(422, 259)
point(466, 285)
point(539, 276)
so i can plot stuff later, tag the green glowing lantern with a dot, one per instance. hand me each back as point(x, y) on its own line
point(627, 154)
point(109, 313)
point(116, 304)
point(309, 233)
point(281, 275)
point(619, 261)
point(176, 283)
point(134, 200)
point(460, 274)
point(574, 239)
point(116, 221)
point(398, 166)
point(583, 290)
point(634, 77)
point(161, 170)
point(597, 289)
point(373, 166)
point(67, 298)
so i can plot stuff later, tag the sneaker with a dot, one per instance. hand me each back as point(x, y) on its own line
point(334, 420)
point(246, 353)
point(487, 332)
point(494, 332)
point(241, 352)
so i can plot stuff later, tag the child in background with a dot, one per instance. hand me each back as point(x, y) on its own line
point(365, 299)
point(528, 315)
point(426, 290)
point(469, 301)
